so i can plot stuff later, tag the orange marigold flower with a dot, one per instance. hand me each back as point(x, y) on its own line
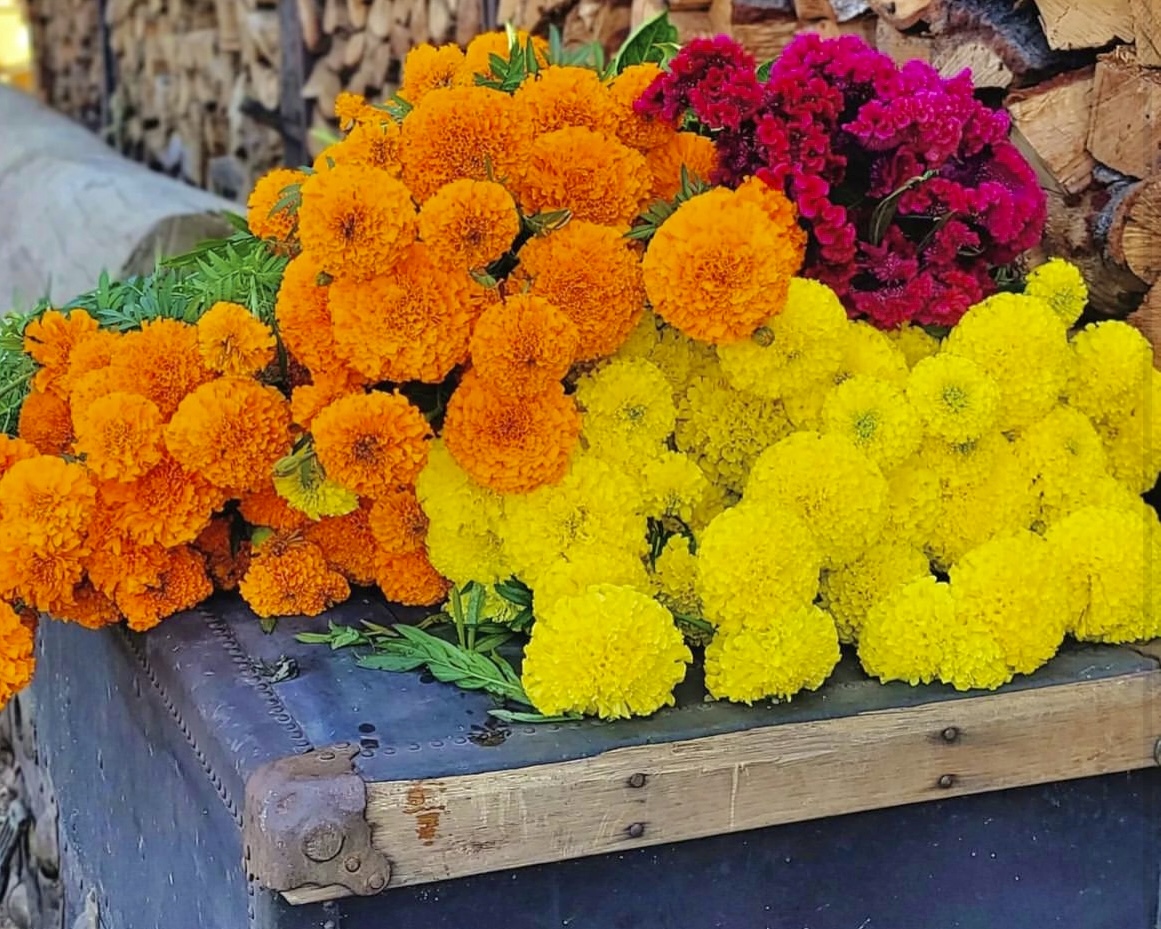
point(640, 132)
point(160, 361)
point(469, 224)
point(120, 435)
point(478, 54)
point(686, 150)
point(719, 267)
point(182, 586)
point(91, 353)
point(13, 450)
point(17, 656)
point(371, 443)
point(427, 68)
point(588, 173)
point(266, 508)
point(347, 544)
point(462, 132)
point(36, 577)
point(86, 606)
point(50, 339)
point(510, 444)
point(304, 318)
point(289, 576)
point(167, 505)
point(398, 523)
point(92, 386)
point(782, 213)
point(307, 401)
point(354, 220)
point(264, 221)
point(410, 325)
point(371, 144)
point(46, 422)
point(593, 275)
point(226, 553)
point(47, 503)
point(410, 579)
point(231, 431)
point(560, 97)
point(522, 345)
point(233, 341)
point(353, 109)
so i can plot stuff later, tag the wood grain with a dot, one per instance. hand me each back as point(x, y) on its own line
point(1070, 24)
point(1053, 117)
point(1125, 131)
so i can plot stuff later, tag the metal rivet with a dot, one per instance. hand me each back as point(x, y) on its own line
point(637, 780)
point(946, 780)
point(322, 843)
point(352, 864)
point(950, 734)
point(326, 756)
point(341, 745)
point(636, 830)
point(376, 882)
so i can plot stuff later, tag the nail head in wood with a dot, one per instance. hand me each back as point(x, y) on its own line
point(950, 734)
point(637, 780)
point(352, 864)
point(946, 780)
point(636, 830)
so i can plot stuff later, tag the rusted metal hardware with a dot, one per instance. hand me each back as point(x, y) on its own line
point(305, 824)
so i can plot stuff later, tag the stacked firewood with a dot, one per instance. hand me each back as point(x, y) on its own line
point(67, 41)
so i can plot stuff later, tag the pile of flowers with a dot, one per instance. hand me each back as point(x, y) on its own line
point(542, 356)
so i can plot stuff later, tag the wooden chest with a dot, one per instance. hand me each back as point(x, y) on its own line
point(198, 788)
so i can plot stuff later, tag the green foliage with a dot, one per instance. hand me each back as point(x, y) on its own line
point(655, 40)
point(884, 213)
point(591, 55)
point(658, 212)
point(508, 75)
point(16, 368)
point(397, 108)
point(763, 72)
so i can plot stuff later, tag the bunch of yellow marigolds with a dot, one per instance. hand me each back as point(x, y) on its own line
point(674, 445)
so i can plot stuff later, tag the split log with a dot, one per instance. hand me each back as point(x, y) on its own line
point(1052, 119)
point(1125, 130)
point(1072, 24)
point(1147, 319)
point(1137, 242)
point(948, 53)
point(902, 14)
point(1147, 31)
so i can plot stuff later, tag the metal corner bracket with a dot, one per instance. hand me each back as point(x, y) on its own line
point(305, 824)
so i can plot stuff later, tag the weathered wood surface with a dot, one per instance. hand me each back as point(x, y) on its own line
point(73, 207)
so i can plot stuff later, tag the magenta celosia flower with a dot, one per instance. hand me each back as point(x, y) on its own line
point(907, 185)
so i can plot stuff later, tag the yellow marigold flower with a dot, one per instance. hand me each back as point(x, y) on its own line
point(640, 132)
point(427, 68)
point(13, 450)
point(120, 436)
point(231, 431)
point(18, 660)
point(38, 578)
point(588, 173)
point(876, 417)
point(450, 497)
point(914, 501)
point(1132, 439)
point(468, 224)
point(263, 219)
point(832, 486)
point(794, 649)
point(227, 555)
point(347, 544)
point(160, 361)
point(1022, 344)
point(719, 267)
point(799, 349)
point(611, 652)
point(587, 566)
point(680, 358)
point(49, 340)
point(523, 345)
point(956, 400)
point(478, 54)
point(510, 444)
point(868, 351)
point(1064, 460)
point(232, 341)
point(413, 324)
point(167, 505)
point(372, 143)
point(675, 575)
point(695, 153)
point(410, 579)
point(301, 481)
point(46, 423)
point(289, 576)
point(915, 342)
point(462, 132)
point(371, 443)
point(352, 109)
point(560, 97)
point(1014, 587)
point(471, 552)
point(592, 275)
point(850, 592)
point(1114, 363)
point(47, 503)
point(355, 220)
point(182, 586)
point(398, 523)
point(725, 430)
point(1060, 284)
point(1108, 558)
point(763, 550)
point(904, 633)
point(673, 486)
point(628, 410)
point(595, 503)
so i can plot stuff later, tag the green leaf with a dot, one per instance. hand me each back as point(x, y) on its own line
point(390, 662)
point(514, 591)
point(348, 635)
point(516, 716)
point(313, 638)
point(886, 209)
point(655, 40)
point(268, 624)
point(763, 72)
